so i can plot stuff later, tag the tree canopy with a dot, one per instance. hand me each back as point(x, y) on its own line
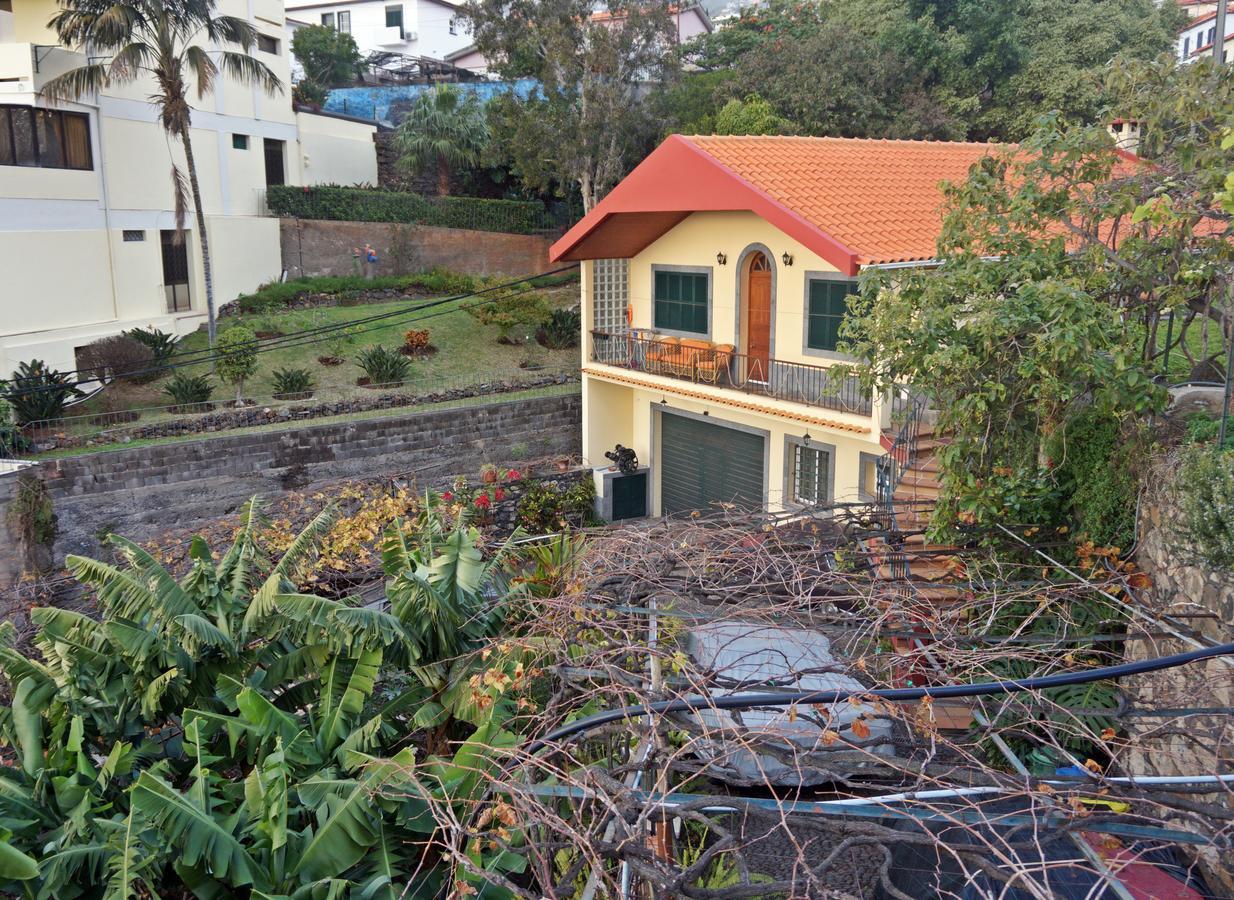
point(329, 57)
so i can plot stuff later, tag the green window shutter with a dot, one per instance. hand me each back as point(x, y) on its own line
point(827, 306)
point(681, 301)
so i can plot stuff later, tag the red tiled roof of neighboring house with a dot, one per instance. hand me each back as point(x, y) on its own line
point(852, 201)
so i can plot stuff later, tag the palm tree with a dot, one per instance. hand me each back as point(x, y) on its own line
point(444, 128)
point(162, 39)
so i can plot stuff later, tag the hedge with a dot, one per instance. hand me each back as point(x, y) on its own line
point(353, 204)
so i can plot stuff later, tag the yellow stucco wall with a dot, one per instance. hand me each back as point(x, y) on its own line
point(697, 240)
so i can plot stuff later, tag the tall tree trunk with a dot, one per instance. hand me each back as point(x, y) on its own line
point(443, 177)
point(202, 239)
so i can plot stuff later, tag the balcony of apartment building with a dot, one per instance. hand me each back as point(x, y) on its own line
point(25, 67)
point(653, 360)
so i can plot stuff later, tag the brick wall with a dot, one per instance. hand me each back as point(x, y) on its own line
point(318, 247)
point(144, 491)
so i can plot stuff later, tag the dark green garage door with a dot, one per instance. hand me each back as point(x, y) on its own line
point(702, 463)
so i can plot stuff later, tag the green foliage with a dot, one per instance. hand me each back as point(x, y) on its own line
point(221, 734)
point(545, 507)
point(237, 357)
point(161, 344)
point(361, 204)
point(37, 393)
point(1206, 496)
point(689, 104)
point(188, 390)
point(292, 382)
point(445, 129)
point(383, 365)
point(516, 311)
point(1098, 467)
point(12, 441)
point(31, 513)
point(562, 329)
point(753, 115)
point(285, 293)
point(330, 58)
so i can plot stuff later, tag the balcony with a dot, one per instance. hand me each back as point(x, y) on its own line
point(27, 67)
point(719, 365)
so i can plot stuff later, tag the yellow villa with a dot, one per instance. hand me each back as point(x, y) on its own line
point(715, 278)
point(86, 210)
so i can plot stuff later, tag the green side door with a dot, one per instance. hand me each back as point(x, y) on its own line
point(704, 463)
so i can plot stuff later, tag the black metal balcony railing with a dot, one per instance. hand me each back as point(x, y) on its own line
point(718, 364)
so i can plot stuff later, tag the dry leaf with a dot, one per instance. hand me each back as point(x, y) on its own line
point(861, 729)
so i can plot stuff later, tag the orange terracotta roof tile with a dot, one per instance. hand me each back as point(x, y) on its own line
point(880, 198)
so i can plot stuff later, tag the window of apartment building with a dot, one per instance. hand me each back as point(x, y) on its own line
point(682, 299)
point(1212, 35)
point(867, 477)
point(1186, 46)
point(609, 295)
point(275, 172)
point(175, 270)
point(327, 19)
point(132, 235)
point(809, 471)
point(344, 21)
point(826, 304)
point(394, 19)
point(267, 44)
point(44, 138)
point(239, 142)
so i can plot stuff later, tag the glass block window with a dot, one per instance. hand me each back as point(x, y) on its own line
point(825, 308)
point(609, 295)
point(681, 301)
point(810, 475)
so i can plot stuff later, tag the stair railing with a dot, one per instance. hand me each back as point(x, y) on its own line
point(892, 467)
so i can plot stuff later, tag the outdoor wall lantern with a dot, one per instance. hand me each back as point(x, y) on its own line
point(787, 258)
point(806, 439)
point(721, 258)
point(663, 402)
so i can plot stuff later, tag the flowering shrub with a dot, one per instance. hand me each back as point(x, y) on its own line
point(415, 340)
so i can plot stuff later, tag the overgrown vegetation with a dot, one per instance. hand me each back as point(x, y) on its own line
point(1206, 495)
point(282, 294)
point(37, 393)
point(361, 204)
point(116, 356)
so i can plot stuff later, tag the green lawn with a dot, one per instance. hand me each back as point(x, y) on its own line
point(466, 351)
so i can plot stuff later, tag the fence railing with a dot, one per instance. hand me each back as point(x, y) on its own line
point(722, 367)
point(119, 426)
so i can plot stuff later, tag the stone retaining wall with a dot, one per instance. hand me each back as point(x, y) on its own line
point(319, 247)
point(143, 491)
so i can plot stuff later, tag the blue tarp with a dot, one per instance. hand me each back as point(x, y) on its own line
point(374, 102)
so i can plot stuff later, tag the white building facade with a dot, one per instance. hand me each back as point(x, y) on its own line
point(428, 28)
point(1195, 39)
point(87, 225)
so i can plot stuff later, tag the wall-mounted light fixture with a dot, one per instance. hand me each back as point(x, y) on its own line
point(806, 439)
point(787, 258)
point(706, 412)
point(663, 402)
point(722, 258)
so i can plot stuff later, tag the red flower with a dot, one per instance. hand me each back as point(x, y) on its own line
point(447, 496)
point(513, 475)
point(483, 502)
point(499, 495)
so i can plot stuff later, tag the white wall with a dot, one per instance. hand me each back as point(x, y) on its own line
point(426, 25)
point(336, 151)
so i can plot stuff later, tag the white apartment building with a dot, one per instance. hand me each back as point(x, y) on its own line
point(1195, 39)
point(429, 28)
point(87, 218)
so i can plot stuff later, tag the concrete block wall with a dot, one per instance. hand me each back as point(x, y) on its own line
point(144, 491)
point(319, 247)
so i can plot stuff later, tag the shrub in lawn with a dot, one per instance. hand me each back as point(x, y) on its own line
point(292, 384)
point(416, 342)
point(11, 440)
point(116, 357)
point(188, 391)
point(337, 343)
point(38, 393)
point(562, 329)
point(383, 366)
point(161, 343)
point(515, 311)
point(237, 358)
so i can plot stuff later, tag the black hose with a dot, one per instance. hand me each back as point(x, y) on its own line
point(789, 698)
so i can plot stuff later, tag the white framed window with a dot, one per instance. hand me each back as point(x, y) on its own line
point(327, 19)
point(809, 472)
point(344, 21)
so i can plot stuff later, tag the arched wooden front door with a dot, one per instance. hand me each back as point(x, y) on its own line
point(758, 316)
